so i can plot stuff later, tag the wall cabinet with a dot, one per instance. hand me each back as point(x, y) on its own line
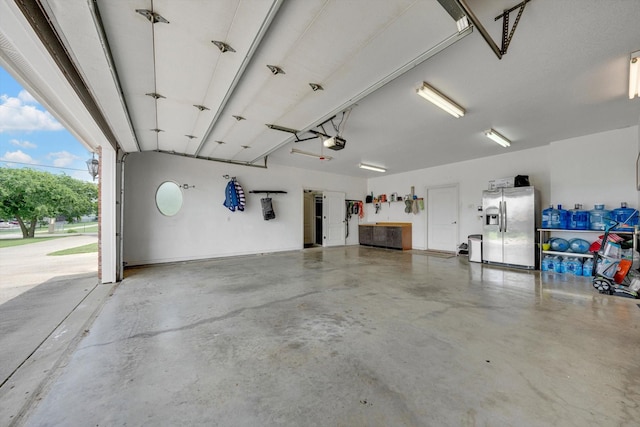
point(395, 235)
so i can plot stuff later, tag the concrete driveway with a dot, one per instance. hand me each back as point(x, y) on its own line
point(38, 293)
point(26, 266)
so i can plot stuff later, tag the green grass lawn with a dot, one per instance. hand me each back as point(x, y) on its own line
point(85, 249)
point(78, 227)
point(7, 243)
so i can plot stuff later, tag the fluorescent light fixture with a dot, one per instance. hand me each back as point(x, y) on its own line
point(306, 153)
point(634, 74)
point(497, 137)
point(371, 167)
point(432, 95)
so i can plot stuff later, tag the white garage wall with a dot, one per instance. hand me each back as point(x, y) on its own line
point(204, 228)
point(472, 177)
point(598, 168)
point(589, 169)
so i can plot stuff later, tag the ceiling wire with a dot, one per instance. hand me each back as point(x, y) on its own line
point(155, 80)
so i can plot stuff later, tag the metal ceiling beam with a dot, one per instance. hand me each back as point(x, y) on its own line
point(377, 85)
point(42, 26)
point(97, 20)
point(275, 6)
point(459, 8)
point(476, 23)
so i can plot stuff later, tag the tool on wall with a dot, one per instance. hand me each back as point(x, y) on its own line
point(353, 207)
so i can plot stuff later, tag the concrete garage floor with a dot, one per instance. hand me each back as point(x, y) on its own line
point(350, 336)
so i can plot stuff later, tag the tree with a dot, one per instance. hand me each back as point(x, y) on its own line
point(30, 195)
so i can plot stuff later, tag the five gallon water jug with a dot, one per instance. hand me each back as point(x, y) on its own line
point(579, 246)
point(559, 245)
point(626, 217)
point(587, 267)
point(546, 217)
point(598, 218)
point(554, 219)
point(578, 218)
point(564, 218)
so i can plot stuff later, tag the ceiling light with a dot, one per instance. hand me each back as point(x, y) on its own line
point(432, 95)
point(306, 153)
point(201, 107)
point(371, 167)
point(497, 137)
point(634, 74)
point(316, 87)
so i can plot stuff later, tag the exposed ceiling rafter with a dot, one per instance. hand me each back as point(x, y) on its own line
point(459, 8)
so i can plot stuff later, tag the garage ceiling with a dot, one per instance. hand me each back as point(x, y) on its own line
point(165, 86)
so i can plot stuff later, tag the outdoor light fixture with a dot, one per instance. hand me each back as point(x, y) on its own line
point(432, 95)
point(93, 166)
point(634, 74)
point(306, 153)
point(495, 136)
point(371, 167)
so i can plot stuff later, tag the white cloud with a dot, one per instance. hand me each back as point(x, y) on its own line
point(18, 156)
point(62, 159)
point(26, 97)
point(23, 144)
point(15, 115)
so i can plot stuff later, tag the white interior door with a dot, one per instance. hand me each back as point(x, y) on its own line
point(442, 218)
point(333, 218)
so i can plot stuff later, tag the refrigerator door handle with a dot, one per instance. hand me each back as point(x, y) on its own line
point(504, 217)
point(500, 216)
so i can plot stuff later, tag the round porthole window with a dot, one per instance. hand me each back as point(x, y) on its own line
point(169, 198)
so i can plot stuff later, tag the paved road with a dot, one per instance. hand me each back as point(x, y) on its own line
point(26, 266)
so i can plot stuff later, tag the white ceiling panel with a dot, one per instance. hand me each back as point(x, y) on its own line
point(565, 74)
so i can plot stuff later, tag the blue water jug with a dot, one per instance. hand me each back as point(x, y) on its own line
point(587, 267)
point(578, 218)
point(626, 217)
point(574, 266)
point(598, 218)
point(558, 244)
point(564, 217)
point(547, 263)
point(546, 217)
point(554, 219)
point(561, 265)
point(579, 246)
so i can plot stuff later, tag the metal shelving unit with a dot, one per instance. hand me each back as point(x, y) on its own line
point(545, 233)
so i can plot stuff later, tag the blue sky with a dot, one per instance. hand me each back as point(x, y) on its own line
point(31, 137)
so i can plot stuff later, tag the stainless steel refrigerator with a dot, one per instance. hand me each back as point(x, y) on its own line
point(509, 226)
